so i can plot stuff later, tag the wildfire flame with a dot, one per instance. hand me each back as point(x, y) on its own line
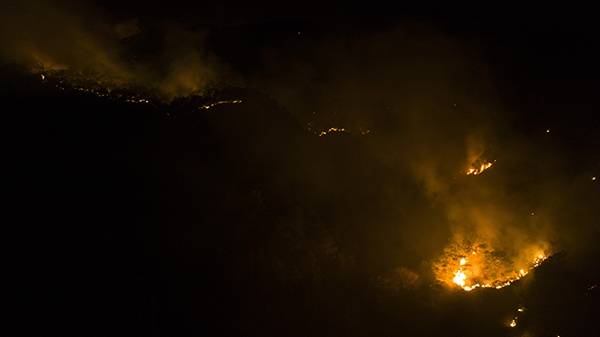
point(478, 169)
point(483, 267)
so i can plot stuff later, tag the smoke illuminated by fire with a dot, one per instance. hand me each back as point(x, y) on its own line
point(478, 265)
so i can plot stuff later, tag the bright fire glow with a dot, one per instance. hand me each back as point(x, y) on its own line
point(459, 278)
point(485, 267)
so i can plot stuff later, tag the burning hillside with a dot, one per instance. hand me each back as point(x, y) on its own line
point(477, 264)
point(306, 176)
point(96, 85)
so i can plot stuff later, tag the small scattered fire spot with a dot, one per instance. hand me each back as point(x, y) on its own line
point(331, 130)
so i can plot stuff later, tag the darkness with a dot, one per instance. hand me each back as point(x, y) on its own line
point(162, 219)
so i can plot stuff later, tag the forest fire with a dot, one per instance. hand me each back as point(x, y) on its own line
point(471, 266)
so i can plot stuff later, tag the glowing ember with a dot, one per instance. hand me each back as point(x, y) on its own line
point(486, 267)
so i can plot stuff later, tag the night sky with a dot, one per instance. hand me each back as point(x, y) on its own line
point(230, 168)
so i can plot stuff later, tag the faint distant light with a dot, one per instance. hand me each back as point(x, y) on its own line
point(513, 323)
point(532, 213)
point(43, 77)
point(521, 309)
point(299, 33)
point(547, 130)
point(593, 178)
